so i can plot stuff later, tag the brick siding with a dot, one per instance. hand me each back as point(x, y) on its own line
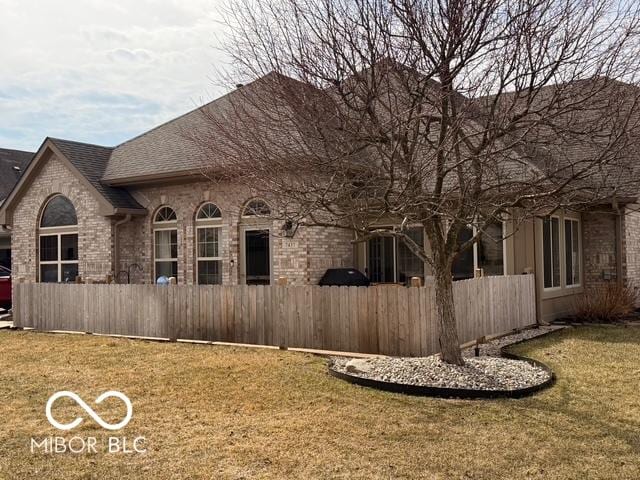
point(94, 230)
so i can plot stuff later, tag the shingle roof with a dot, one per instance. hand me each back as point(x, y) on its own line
point(170, 147)
point(91, 161)
point(12, 164)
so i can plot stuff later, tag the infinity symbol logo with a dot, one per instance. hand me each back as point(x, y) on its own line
point(89, 410)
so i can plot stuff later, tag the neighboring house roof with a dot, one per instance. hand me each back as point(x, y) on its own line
point(12, 164)
point(91, 161)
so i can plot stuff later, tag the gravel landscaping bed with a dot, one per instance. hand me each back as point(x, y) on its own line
point(487, 372)
point(492, 347)
point(482, 373)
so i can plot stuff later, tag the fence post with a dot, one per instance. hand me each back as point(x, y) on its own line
point(415, 282)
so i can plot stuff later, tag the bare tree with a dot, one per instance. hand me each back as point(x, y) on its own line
point(442, 113)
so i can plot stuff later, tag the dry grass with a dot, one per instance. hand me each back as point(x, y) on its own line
point(220, 412)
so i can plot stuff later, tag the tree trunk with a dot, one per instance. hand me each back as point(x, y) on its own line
point(449, 343)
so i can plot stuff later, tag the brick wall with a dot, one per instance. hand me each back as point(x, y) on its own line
point(94, 230)
point(631, 225)
point(302, 258)
point(599, 247)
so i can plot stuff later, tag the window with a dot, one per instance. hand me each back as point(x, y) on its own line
point(208, 232)
point(572, 252)
point(165, 243)
point(551, 251)
point(490, 250)
point(487, 253)
point(58, 241)
point(59, 212)
point(390, 259)
point(256, 208)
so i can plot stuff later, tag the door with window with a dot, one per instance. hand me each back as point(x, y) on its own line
point(390, 260)
point(257, 257)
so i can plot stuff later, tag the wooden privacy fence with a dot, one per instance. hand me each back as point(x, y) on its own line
point(389, 320)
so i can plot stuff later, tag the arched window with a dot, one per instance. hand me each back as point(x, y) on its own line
point(165, 214)
point(165, 243)
point(209, 211)
point(58, 241)
point(208, 235)
point(256, 208)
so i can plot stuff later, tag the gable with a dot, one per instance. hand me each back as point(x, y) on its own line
point(111, 201)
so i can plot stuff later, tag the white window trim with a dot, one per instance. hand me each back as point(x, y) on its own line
point(564, 279)
point(560, 257)
point(199, 259)
point(59, 262)
point(164, 260)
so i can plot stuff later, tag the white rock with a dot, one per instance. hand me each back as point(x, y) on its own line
point(358, 365)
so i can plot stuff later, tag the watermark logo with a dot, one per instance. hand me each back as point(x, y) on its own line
point(76, 398)
point(79, 444)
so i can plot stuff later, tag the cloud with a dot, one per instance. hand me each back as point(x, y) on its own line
point(102, 71)
point(123, 54)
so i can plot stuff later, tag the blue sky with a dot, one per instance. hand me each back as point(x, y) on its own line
point(103, 71)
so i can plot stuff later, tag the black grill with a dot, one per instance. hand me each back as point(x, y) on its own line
point(344, 277)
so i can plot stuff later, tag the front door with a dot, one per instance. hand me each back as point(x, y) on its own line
point(257, 257)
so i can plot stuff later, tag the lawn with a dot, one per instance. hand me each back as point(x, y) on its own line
point(223, 412)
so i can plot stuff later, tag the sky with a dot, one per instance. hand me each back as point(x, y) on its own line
point(103, 71)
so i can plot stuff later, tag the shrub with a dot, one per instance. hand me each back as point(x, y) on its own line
point(606, 304)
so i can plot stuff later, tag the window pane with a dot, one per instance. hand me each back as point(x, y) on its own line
point(168, 269)
point(490, 250)
point(69, 272)
point(409, 265)
point(49, 273)
point(59, 212)
point(207, 242)
point(69, 247)
point(209, 210)
point(546, 252)
point(166, 214)
point(49, 248)
point(555, 248)
point(257, 208)
point(166, 243)
point(576, 252)
point(572, 255)
point(210, 272)
point(381, 265)
point(463, 264)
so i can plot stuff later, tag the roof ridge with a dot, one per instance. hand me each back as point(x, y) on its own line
point(16, 150)
point(54, 140)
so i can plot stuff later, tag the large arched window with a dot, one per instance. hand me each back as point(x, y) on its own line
point(58, 241)
point(208, 234)
point(165, 243)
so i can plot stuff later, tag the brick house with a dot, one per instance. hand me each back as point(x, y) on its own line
point(146, 208)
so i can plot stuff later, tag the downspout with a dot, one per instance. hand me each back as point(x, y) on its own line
point(116, 246)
